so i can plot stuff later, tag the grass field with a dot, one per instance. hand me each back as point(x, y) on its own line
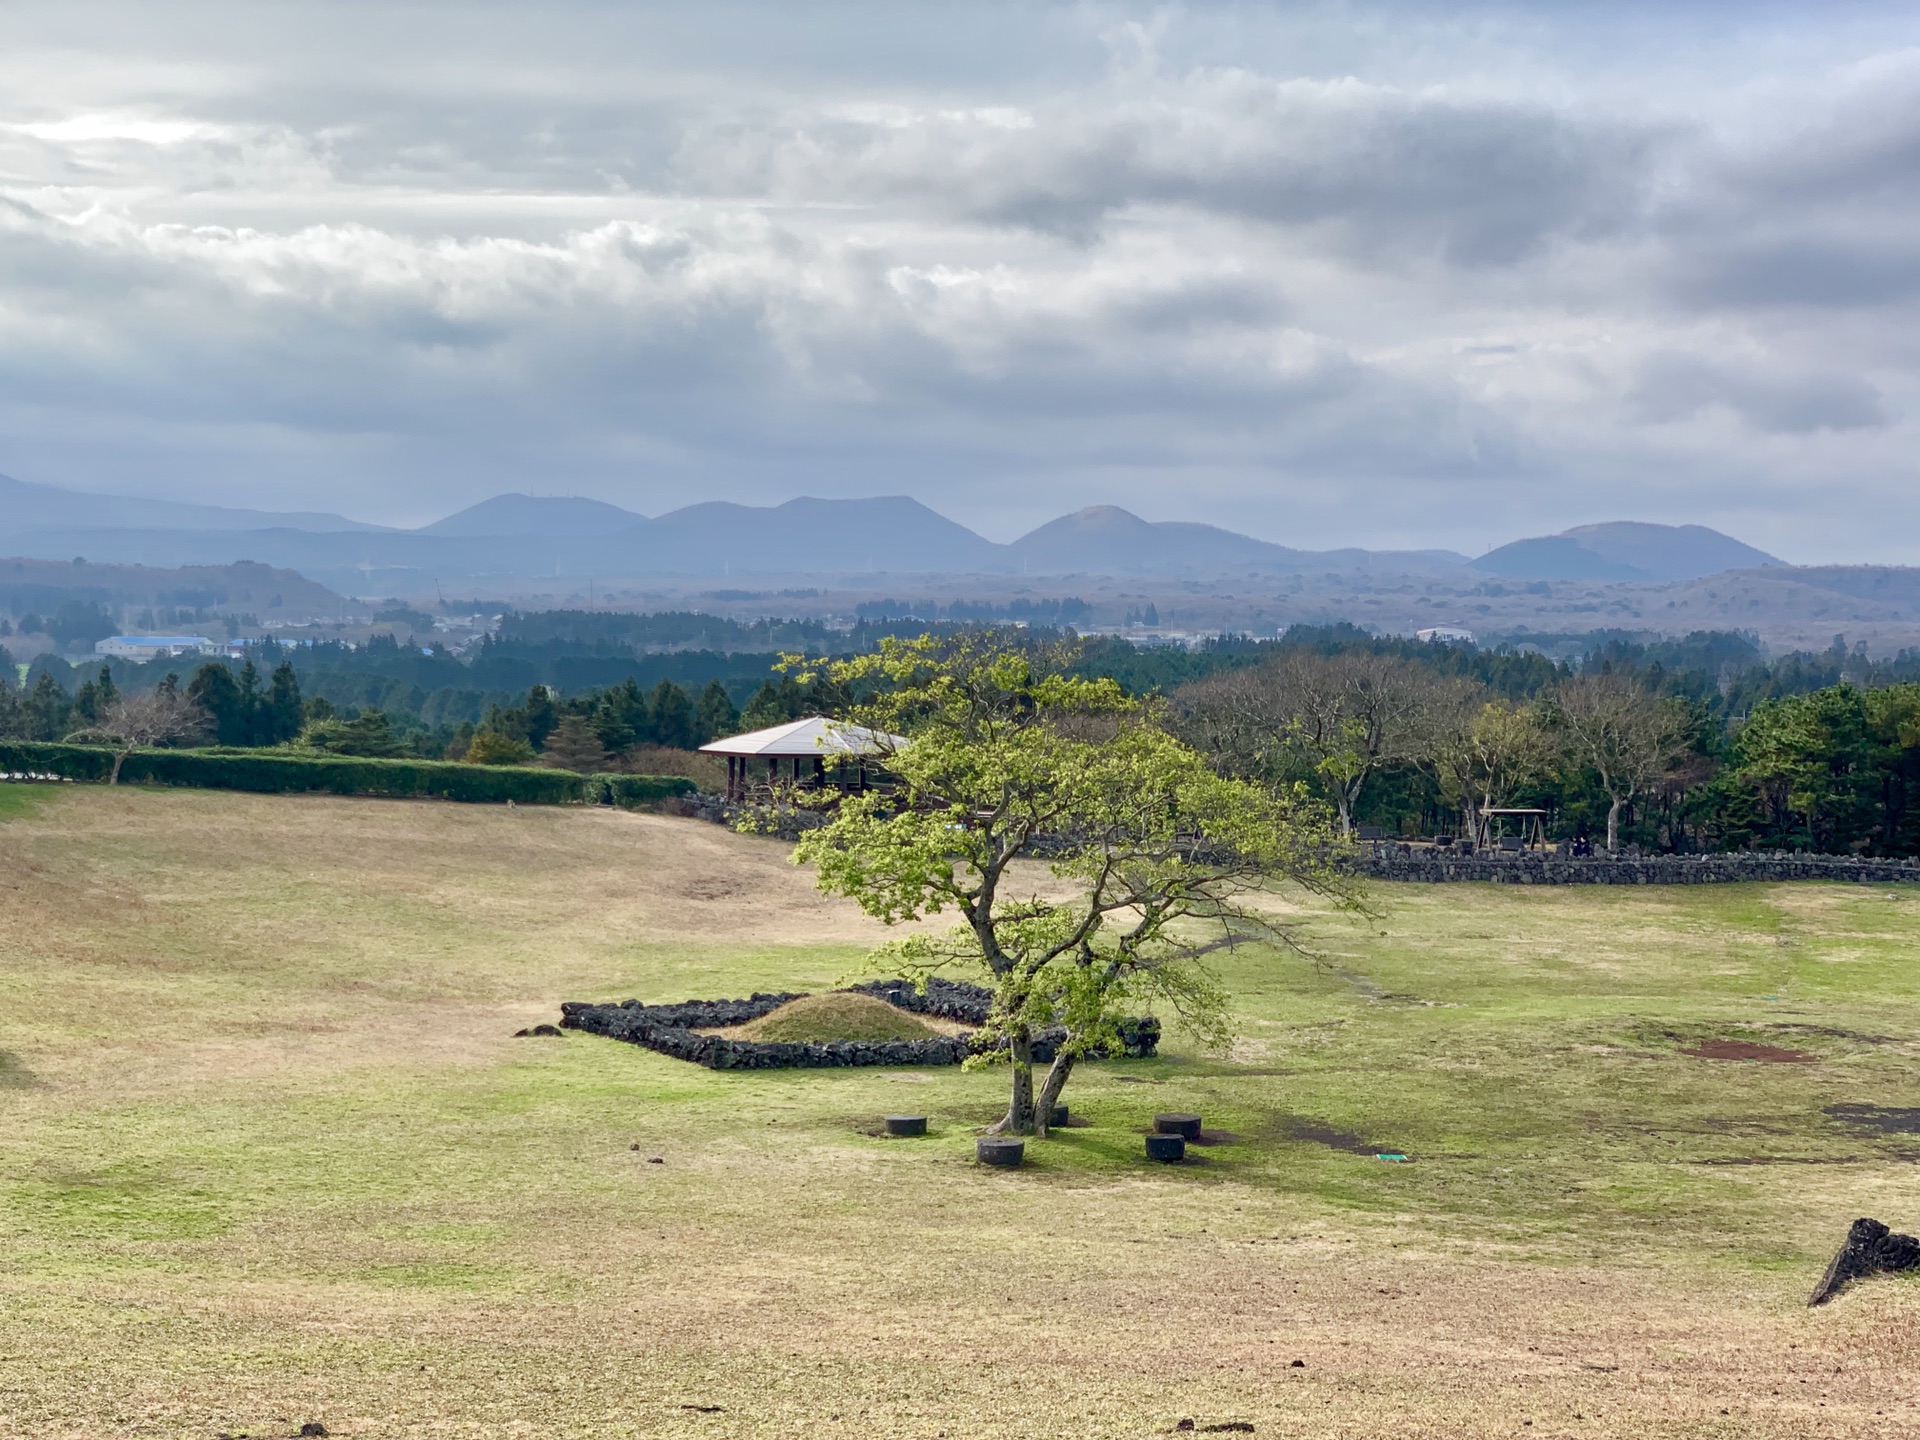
point(270, 1155)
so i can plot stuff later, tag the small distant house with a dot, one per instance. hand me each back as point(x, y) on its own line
point(153, 647)
point(815, 752)
point(1444, 635)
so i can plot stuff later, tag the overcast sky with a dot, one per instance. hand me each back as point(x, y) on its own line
point(1391, 274)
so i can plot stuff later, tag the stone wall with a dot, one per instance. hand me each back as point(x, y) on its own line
point(782, 822)
point(670, 1029)
point(1422, 864)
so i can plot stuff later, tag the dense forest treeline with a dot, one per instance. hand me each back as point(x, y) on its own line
point(1809, 750)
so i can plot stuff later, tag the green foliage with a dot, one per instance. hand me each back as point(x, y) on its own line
point(1009, 757)
point(573, 745)
point(630, 791)
point(621, 716)
point(241, 712)
point(490, 747)
point(369, 734)
point(531, 722)
point(92, 700)
point(281, 771)
point(672, 715)
point(1819, 762)
point(792, 699)
point(45, 711)
point(79, 622)
point(716, 716)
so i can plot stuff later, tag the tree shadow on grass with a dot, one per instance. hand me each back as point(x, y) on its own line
point(14, 1075)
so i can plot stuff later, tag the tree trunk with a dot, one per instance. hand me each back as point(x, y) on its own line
point(119, 759)
point(1055, 1082)
point(1613, 824)
point(1350, 797)
point(1019, 1116)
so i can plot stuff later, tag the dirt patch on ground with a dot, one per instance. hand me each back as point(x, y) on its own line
point(1318, 1132)
point(1748, 1050)
point(1887, 1119)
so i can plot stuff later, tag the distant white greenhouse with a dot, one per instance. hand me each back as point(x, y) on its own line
point(152, 647)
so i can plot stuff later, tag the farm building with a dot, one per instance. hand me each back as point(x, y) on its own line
point(148, 647)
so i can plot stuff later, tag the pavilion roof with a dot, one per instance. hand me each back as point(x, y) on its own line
point(815, 735)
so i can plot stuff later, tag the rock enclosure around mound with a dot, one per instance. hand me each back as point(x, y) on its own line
point(675, 1030)
point(1871, 1248)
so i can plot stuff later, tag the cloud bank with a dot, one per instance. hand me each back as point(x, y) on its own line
point(1390, 277)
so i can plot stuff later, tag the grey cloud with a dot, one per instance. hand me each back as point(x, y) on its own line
point(1678, 387)
point(1391, 174)
point(1823, 266)
point(1411, 294)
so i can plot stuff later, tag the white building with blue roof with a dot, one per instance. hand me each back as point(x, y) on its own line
point(152, 647)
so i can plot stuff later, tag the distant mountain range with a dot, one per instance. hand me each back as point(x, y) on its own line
point(26, 506)
point(241, 588)
point(529, 536)
point(1625, 550)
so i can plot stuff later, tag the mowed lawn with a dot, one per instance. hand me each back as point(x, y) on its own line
point(269, 1154)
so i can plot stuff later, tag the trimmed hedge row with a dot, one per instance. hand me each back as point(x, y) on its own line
point(274, 772)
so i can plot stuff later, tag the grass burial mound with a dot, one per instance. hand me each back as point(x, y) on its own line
point(836, 1015)
point(270, 1154)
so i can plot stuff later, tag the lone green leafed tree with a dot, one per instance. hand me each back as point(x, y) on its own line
point(1143, 856)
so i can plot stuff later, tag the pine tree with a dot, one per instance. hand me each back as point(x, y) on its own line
point(541, 717)
point(715, 717)
point(574, 745)
point(283, 710)
point(214, 691)
point(253, 718)
point(13, 715)
point(95, 698)
point(774, 705)
point(672, 716)
point(47, 709)
point(87, 708)
point(622, 718)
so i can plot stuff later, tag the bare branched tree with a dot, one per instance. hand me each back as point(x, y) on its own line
point(1618, 728)
point(161, 717)
point(1343, 717)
